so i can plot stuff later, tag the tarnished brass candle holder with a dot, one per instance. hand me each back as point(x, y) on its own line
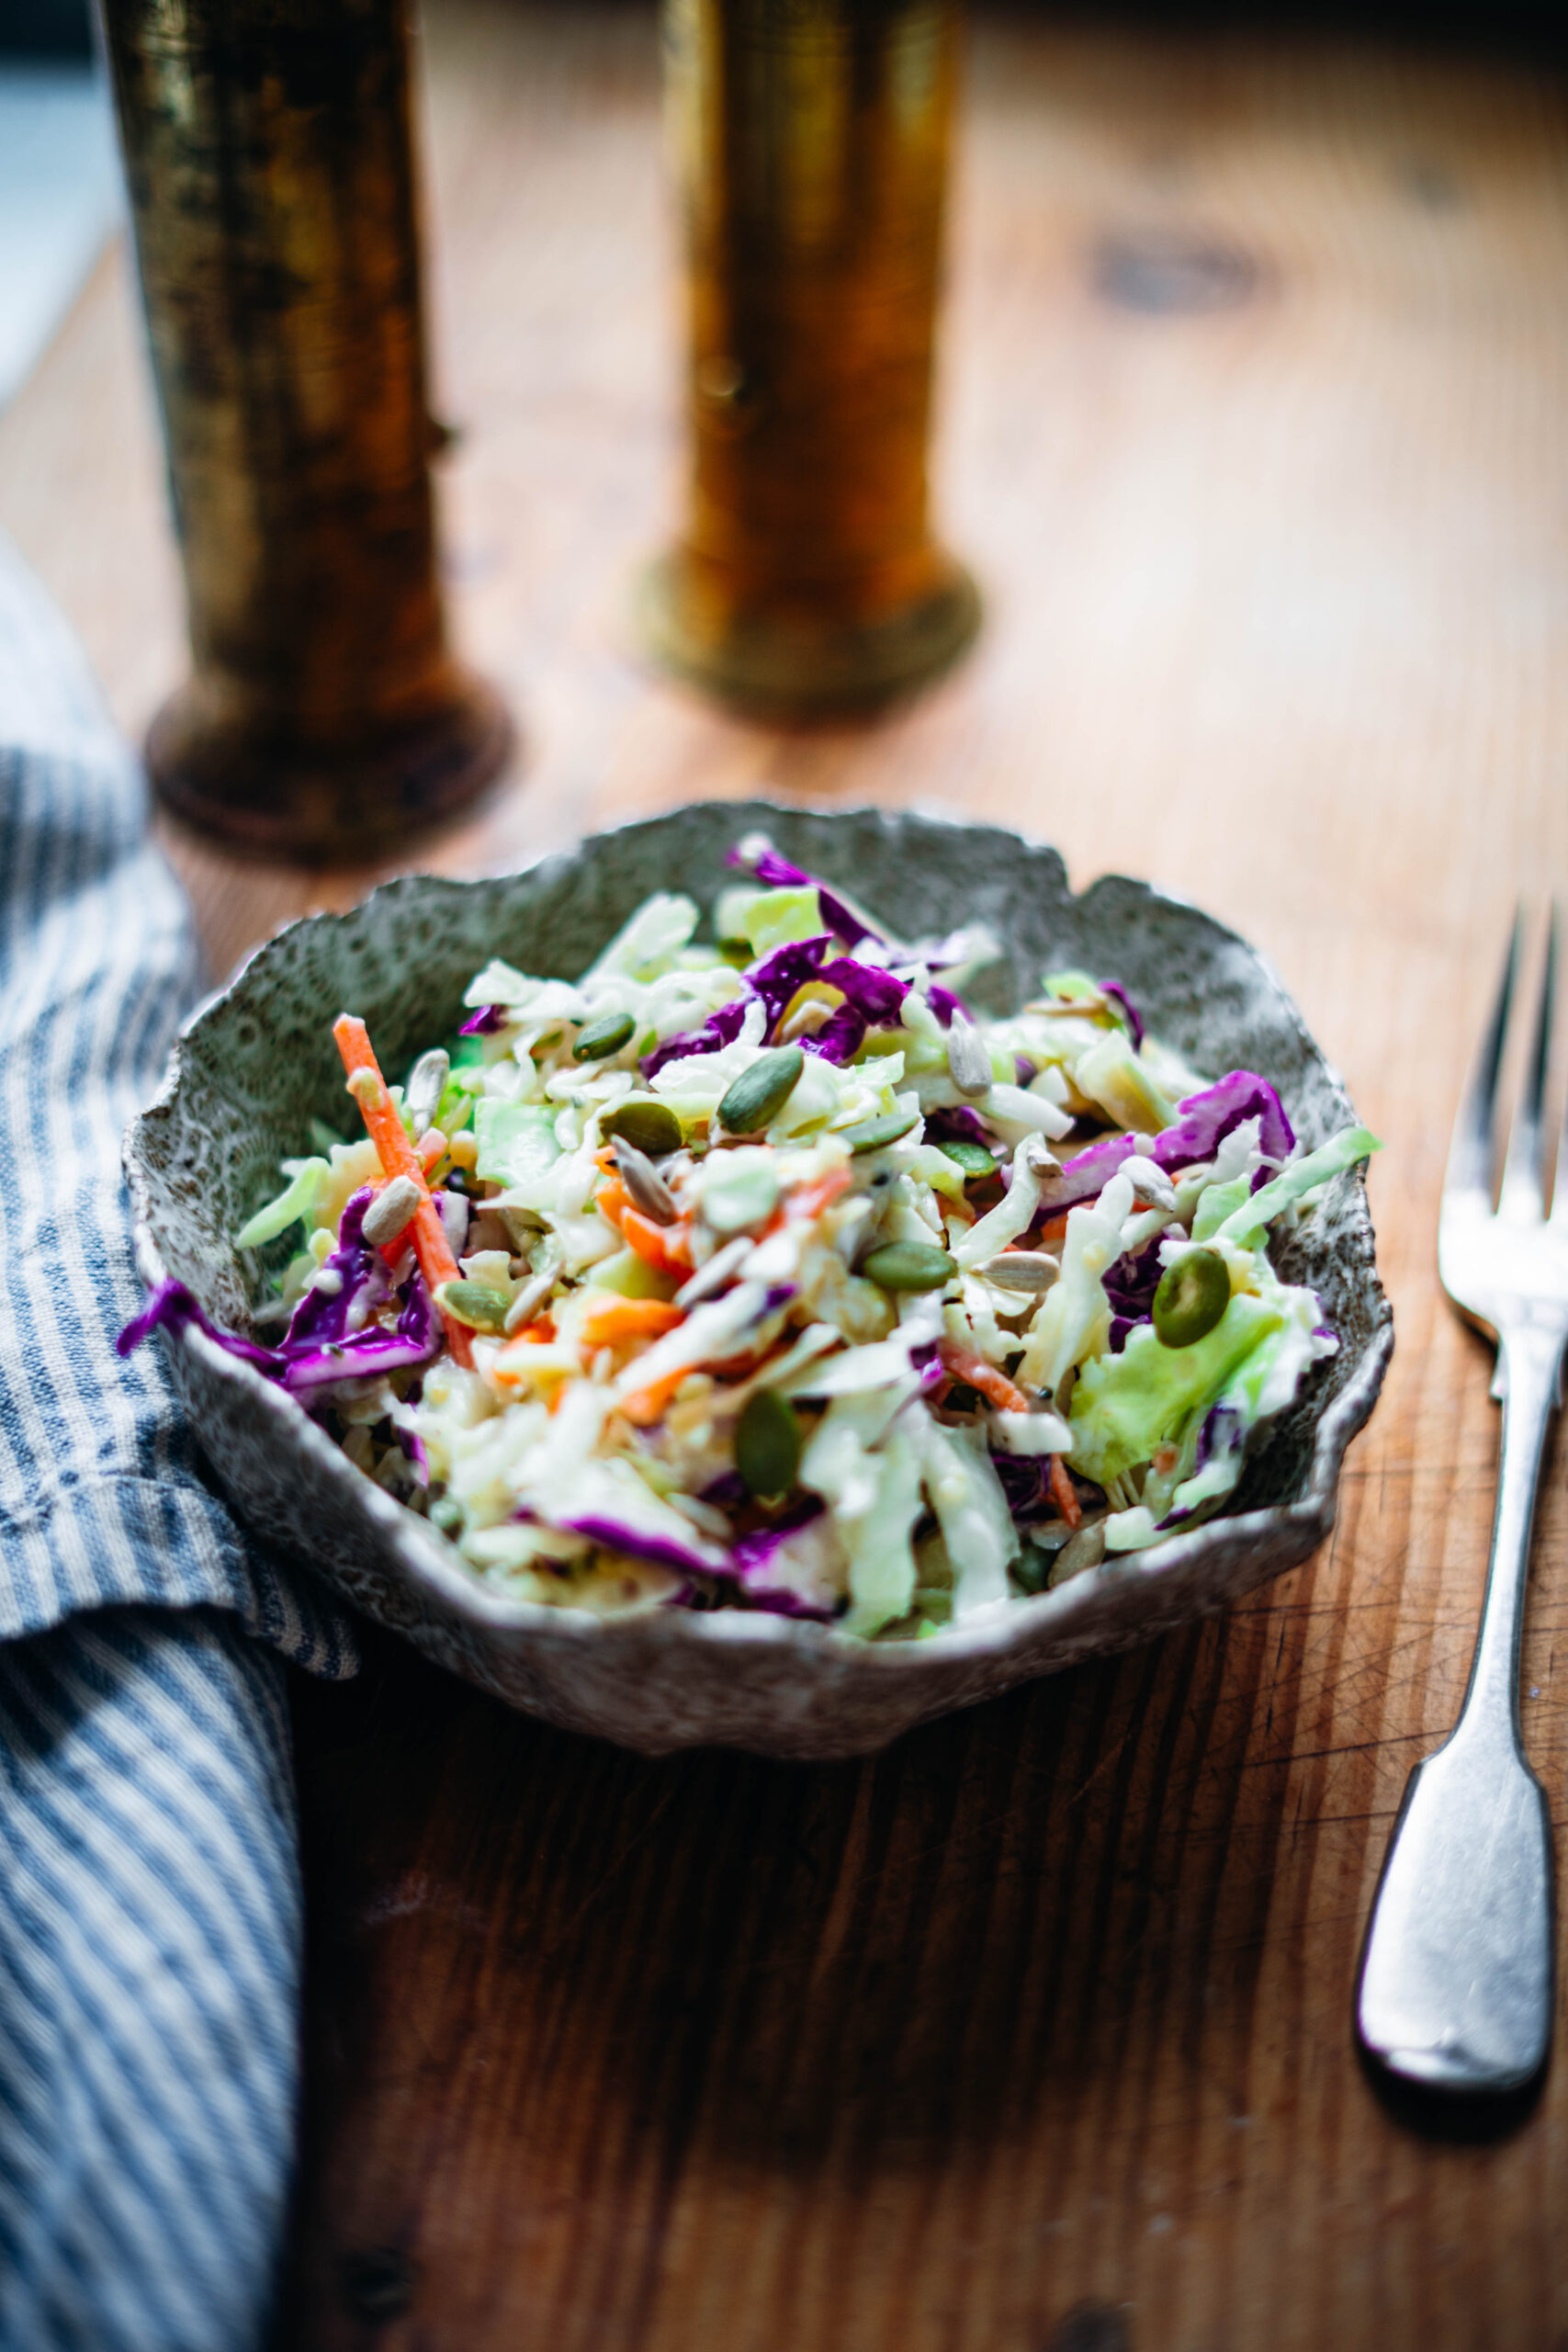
point(812, 139)
point(268, 148)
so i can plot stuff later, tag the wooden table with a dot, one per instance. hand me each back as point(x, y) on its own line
point(1034, 2031)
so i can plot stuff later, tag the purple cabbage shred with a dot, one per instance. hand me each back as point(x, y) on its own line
point(1134, 1019)
point(776, 873)
point(720, 1029)
point(319, 1347)
point(485, 1022)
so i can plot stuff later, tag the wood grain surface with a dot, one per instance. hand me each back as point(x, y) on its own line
point(1031, 2035)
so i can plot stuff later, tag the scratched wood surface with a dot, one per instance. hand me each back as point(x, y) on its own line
point(1032, 2032)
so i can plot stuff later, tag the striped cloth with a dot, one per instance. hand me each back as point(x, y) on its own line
point(149, 1879)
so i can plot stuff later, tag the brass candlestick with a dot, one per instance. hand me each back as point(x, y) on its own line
point(268, 148)
point(812, 139)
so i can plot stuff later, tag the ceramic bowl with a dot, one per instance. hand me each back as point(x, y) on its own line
point(257, 1061)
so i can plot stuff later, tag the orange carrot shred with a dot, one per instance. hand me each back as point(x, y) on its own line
point(628, 1318)
point(666, 1248)
point(399, 1158)
point(964, 1364)
point(645, 1404)
point(1064, 1494)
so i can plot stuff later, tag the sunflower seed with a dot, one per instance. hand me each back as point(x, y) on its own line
point(1151, 1185)
point(1029, 1270)
point(966, 1056)
point(643, 1182)
point(427, 1084)
point(717, 1273)
point(527, 1302)
point(390, 1210)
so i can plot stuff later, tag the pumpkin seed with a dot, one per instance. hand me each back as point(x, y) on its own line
point(767, 1443)
point(909, 1265)
point(759, 1093)
point(648, 1125)
point(643, 1182)
point(1193, 1295)
point(603, 1037)
point(876, 1134)
point(475, 1303)
point(967, 1059)
point(973, 1157)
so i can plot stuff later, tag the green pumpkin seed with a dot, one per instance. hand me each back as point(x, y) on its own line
point(909, 1265)
point(646, 1125)
point(1193, 1295)
point(876, 1134)
point(973, 1157)
point(475, 1303)
point(767, 1444)
point(603, 1037)
point(759, 1093)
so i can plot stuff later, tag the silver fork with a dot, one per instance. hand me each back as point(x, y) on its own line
point(1456, 1985)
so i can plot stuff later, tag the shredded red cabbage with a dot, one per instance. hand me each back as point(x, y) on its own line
point(755, 1561)
point(1115, 989)
point(720, 1029)
point(485, 1022)
point(318, 1348)
point(776, 977)
point(841, 1036)
point(1207, 1118)
point(622, 1535)
point(876, 994)
point(776, 873)
point(171, 1307)
point(957, 1124)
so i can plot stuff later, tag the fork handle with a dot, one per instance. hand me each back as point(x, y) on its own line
point(1528, 1360)
point(1456, 1985)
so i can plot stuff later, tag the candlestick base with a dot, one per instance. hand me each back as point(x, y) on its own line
point(274, 794)
point(800, 663)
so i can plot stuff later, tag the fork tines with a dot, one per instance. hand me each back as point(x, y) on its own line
point(1521, 1200)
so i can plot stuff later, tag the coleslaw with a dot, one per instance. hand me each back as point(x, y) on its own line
point(770, 1274)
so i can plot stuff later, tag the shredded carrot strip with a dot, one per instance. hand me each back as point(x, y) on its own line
point(628, 1318)
point(1064, 1494)
point(645, 1404)
point(1054, 1230)
point(666, 1248)
point(964, 1364)
point(812, 1199)
point(613, 1200)
point(399, 1158)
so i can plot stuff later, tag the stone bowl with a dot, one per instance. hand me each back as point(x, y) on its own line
point(257, 1061)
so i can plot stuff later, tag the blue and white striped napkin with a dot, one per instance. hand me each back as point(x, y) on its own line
point(150, 1907)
